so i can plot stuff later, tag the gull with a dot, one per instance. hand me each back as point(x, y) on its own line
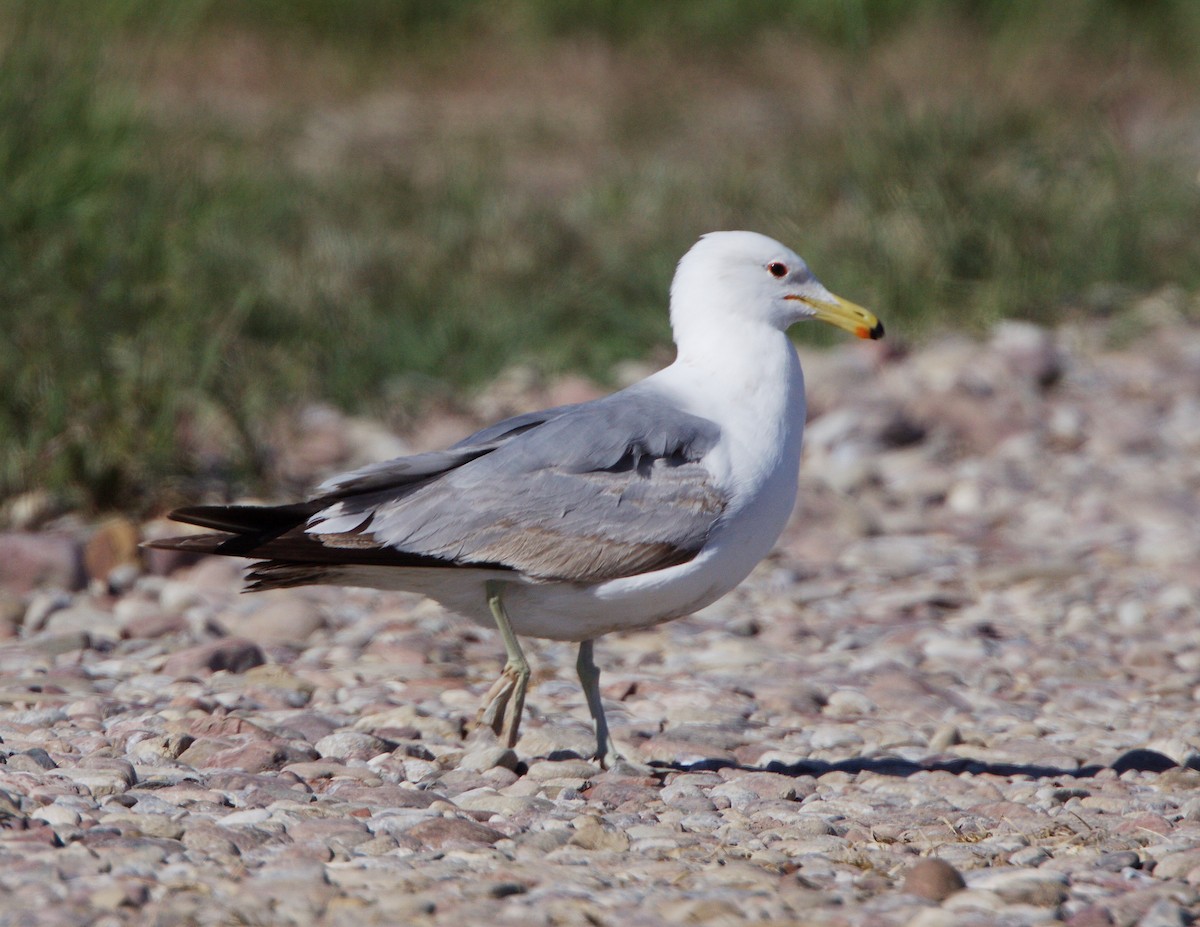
point(580, 520)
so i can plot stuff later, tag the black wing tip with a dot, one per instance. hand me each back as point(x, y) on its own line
point(245, 519)
point(216, 517)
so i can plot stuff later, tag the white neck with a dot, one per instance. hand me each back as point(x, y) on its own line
point(747, 379)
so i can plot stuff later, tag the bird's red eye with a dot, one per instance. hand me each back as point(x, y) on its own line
point(777, 269)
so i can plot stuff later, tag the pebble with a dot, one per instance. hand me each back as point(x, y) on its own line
point(1117, 860)
point(442, 832)
point(112, 547)
point(350, 745)
point(30, 561)
point(1166, 913)
point(962, 695)
point(1029, 857)
point(932, 879)
point(482, 758)
point(56, 644)
point(848, 703)
point(98, 782)
point(234, 655)
point(1023, 886)
point(486, 799)
point(562, 769)
point(85, 618)
point(284, 620)
point(206, 840)
point(1178, 865)
point(592, 835)
point(148, 825)
point(58, 815)
point(32, 760)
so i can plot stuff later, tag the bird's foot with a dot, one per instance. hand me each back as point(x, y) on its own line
point(503, 704)
point(613, 760)
point(607, 754)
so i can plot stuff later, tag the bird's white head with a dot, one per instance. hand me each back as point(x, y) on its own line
point(731, 278)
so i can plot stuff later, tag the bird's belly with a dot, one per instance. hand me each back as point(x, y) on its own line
point(571, 611)
point(563, 611)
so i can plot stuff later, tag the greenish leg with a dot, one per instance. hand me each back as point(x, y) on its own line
point(502, 706)
point(589, 678)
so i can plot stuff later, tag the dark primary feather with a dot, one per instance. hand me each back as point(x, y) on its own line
point(243, 519)
point(580, 493)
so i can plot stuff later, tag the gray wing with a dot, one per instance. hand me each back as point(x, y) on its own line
point(416, 468)
point(580, 493)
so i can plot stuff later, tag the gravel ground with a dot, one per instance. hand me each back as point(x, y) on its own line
point(963, 691)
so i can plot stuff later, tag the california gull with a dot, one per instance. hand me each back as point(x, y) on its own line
point(579, 520)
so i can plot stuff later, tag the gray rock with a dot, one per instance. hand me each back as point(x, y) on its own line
point(351, 745)
point(484, 757)
point(562, 769)
point(207, 841)
point(30, 561)
point(1167, 913)
point(54, 644)
point(287, 620)
point(1037, 887)
point(932, 879)
point(441, 832)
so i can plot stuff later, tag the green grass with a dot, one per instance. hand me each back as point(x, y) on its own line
point(975, 216)
point(176, 274)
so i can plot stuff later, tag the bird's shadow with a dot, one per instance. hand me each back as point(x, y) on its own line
point(1140, 759)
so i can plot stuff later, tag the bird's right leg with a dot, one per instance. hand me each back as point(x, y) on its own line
point(502, 706)
point(589, 678)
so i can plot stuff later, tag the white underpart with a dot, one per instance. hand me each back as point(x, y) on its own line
point(736, 367)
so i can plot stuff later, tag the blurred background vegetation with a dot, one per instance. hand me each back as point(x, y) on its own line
point(212, 211)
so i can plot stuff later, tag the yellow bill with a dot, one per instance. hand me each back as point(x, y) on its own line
point(844, 314)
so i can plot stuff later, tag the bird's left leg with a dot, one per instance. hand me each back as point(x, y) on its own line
point(589, 678)
point(502, 706)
